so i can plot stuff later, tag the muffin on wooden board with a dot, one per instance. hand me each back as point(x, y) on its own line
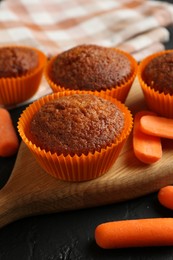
point(52, 127)
point(155, 75)
point(21, 69)
point(92, 68)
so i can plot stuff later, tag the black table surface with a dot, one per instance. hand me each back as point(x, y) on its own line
point(70, 235)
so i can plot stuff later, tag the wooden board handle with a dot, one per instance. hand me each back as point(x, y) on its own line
point(10, 209)
point(5, 211)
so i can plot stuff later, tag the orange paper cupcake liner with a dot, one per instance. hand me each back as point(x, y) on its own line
point(74, 168)
point(160, 103)
point(119, 92)
point(17, 90)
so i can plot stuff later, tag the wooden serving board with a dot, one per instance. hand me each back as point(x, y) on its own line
point(31, 191)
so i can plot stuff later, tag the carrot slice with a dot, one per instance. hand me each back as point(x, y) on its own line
point(135, 233)
point(157, 126)
point(165, 196)
point(9, 142)
point(147, 148)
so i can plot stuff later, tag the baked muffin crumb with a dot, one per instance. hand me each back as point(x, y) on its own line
point(76, 124)
point(17, 61)
point(158, 74)
point(90, 67)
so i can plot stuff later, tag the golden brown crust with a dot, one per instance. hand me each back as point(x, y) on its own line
point(17, 61)
point(76, 124)
point(90, 67)
point(158, 74)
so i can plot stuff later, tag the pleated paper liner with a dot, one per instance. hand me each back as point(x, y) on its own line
point(160, 103)
point(74, 168)
point(119, 92)
point(19, 89)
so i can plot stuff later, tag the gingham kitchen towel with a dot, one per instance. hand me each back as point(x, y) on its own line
point(138, 26)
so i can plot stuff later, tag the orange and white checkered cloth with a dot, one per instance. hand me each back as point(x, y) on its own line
point(138, 27)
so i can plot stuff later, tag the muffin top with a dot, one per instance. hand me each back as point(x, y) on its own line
point(158, 74)
point(17, 61)
point(76, 124)
point(90, 67)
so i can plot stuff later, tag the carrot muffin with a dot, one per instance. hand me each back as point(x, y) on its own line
point(21, 70)
point(76, 124)
point(92, 68)
point(155, 76)
point(15, 62)
point(158, 74)
point(75, 135)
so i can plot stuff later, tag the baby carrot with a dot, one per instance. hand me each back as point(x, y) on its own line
point(135, 233)
point(165, 196)
point(9, 142)
point(147, 148)
point(157, 126)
